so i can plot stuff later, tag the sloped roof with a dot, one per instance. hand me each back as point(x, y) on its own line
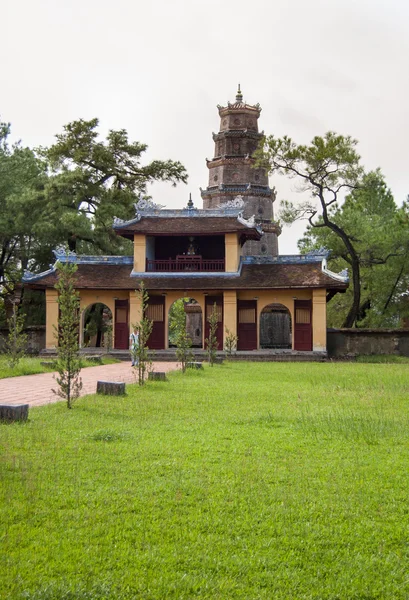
point(250, 276)
point(189, 222)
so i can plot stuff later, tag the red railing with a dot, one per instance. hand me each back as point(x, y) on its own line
point(186, 262)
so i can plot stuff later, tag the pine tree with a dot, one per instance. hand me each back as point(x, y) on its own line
point(211, 341)
point(143, 329)
point(67, 335)
point(16, 342)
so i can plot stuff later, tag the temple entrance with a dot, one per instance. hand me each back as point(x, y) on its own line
point(97, 326)
point(247, 324)
point(215, 303)
point(185, 313)
point(303, 325)
point(121, 324)
point(275, 328)
point(155, 312)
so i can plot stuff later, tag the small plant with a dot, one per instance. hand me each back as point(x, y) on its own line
point(230, 343)
point(143, 329)
point(184, 352)
point(211, 341)
point(16, 342)
point(67, 335)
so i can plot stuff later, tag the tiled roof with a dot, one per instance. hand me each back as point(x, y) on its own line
point(194, 222)
point(251, 276)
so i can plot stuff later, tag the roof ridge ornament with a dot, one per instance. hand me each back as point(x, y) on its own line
point(190, 204)
point(239, 95)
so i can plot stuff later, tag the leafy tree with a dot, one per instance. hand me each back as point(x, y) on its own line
point(380, 235)
point(327, 169)
point(22, 179)
point(211, 341)
point(67, 335)
point(178, 336)
point(143, 328)
point(230, 343)
point(16, 342)
point(92, 181)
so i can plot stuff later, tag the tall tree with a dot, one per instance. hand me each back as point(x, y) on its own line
point(93, 180)
point(22, 179)
point(379, 232)
point(327, 169)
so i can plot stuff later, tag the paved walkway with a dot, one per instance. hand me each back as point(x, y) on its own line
point(36, 390)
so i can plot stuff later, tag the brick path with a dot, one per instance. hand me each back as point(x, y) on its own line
point(36, 390)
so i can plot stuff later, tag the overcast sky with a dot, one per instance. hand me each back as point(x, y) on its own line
point(158, 69)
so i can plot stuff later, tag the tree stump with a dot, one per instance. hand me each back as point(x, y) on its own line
point(11, 413)
point(111, 388)
point(157, 376)
point(194, 365)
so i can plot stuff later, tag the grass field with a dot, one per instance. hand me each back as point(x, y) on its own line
point(30, 365)
point(250, 481)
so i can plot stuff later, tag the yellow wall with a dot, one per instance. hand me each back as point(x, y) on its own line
point(135, 308)
point(319, 320)
point(51, 319)
point(229, 312)
point(89, 297)
point(232, 250)
point(139, 253)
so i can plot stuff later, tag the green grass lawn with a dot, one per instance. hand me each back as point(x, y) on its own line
point(250, 481)
point(30, 365)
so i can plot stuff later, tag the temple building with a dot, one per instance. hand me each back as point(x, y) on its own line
point(223, 257)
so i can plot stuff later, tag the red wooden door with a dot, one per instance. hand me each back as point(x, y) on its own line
point(247, 324)
point(155, 312)
point(121, 324)
point(210, 302)
point(302, 325)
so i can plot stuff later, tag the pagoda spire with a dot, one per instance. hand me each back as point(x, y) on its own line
point(239, 95)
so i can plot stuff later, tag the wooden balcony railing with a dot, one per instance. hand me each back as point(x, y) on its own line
point(185, 262)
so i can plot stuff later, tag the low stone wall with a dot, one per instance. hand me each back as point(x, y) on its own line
point(351, 342)
point(35, 338)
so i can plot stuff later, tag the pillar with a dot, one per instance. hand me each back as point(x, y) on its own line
point(229, 312)
point(232, 252)
point(135, 309)
point(51, 318)
point(319, 320)
point(139, 253)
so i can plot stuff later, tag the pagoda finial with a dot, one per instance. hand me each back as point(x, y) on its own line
point(239, 95)
point(190, 203)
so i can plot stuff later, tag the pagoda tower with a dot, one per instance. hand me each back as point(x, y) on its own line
point(234, 180)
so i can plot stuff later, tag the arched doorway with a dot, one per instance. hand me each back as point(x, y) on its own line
point(185, 313)
point(275, 328)
point(97, 326)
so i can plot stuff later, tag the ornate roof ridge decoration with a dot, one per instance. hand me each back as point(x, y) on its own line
point(286, 259)
point(237, 202)
point(182, 213)
point(64, 257)
point(28, 276)
point(342, 276)
point(250, 222)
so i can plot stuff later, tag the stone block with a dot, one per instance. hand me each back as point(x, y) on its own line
point(9, 413)
point(157, 376)
point(111, 388)
point(194, 365)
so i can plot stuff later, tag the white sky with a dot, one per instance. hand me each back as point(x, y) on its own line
point(159, 69)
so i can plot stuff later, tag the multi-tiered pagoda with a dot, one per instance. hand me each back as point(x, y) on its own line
point(232, 173)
